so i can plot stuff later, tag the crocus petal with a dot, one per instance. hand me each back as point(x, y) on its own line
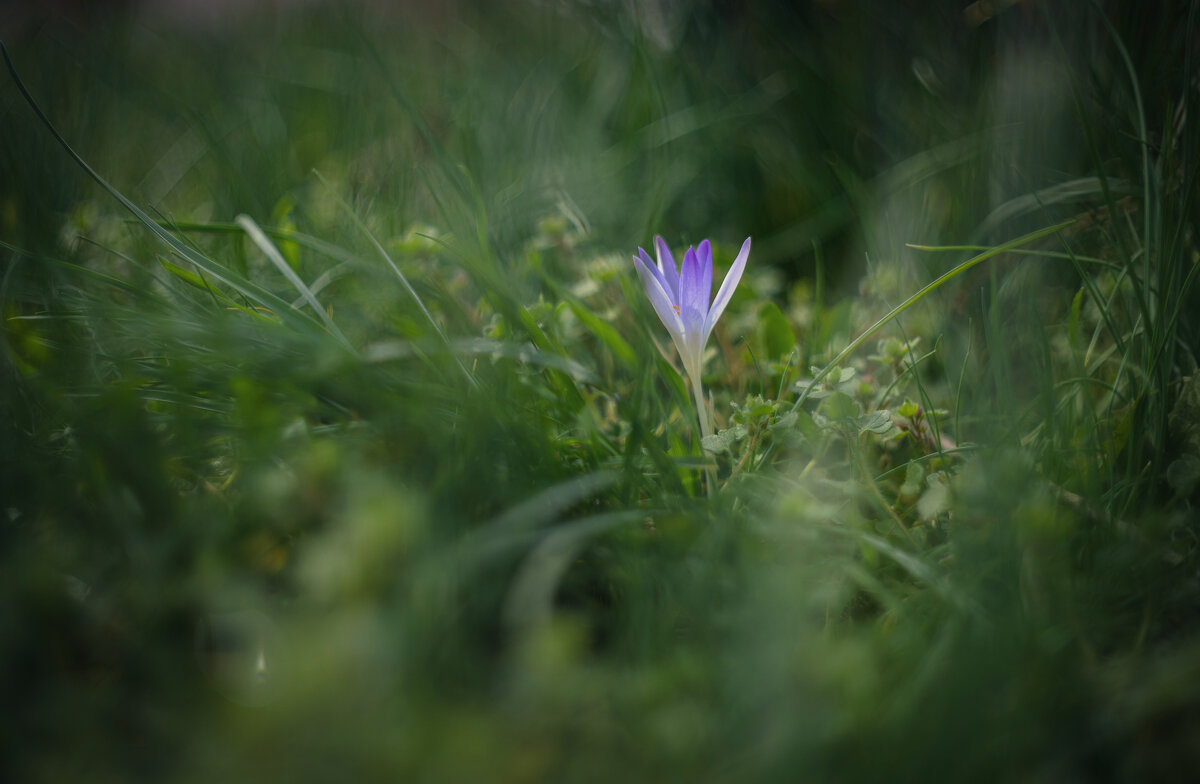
point(657, 273)
point(704, 254)
point(661, 302)
point(693, 300)
point(726, 291)
point(666, 267)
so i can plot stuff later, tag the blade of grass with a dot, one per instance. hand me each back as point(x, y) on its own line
point(1143, 137)
point(1076, 260)
point(268, 248)
point(530, 600)
point(915, 298)
point(247, 289)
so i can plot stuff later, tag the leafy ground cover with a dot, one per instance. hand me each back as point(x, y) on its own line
point(342, 441)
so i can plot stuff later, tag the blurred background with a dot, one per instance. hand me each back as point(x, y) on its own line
point(232, 550)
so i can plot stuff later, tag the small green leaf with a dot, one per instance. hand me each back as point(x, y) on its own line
point(723, 440)
point(841, 406)
point(878, 422)
point(807, 426)
point(762, 410)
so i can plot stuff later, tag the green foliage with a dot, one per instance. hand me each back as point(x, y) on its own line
point(389, 471)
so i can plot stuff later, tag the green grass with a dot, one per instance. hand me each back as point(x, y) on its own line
point(340, 439)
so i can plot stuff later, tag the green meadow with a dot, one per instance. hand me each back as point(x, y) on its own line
point(342, 439)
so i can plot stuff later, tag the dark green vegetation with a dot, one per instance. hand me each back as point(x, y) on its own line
point(354, 451)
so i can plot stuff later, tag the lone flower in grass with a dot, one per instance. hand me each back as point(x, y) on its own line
point(681, 297)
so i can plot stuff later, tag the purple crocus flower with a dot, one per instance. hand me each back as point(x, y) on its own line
point(681, 299)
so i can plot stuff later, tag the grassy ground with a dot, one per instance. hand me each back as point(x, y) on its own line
point(341, 441)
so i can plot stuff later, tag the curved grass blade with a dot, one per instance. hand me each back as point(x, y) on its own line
point(915, 298)
point(324, 279)
point(549, 503)
point(255, 293)
point(1079, 189)
point(530, 600)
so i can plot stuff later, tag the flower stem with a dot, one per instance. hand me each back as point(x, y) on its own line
point(705, 429)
